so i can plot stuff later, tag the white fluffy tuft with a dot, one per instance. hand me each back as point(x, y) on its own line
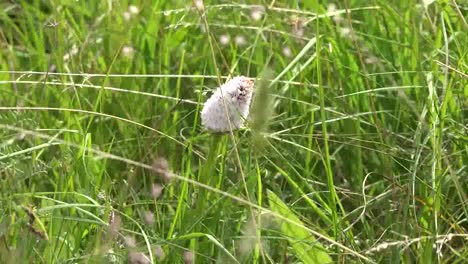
point(237, 94)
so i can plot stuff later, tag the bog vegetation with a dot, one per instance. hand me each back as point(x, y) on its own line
point(355, 150)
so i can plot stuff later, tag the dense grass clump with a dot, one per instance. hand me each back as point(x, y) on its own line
point(356, 149)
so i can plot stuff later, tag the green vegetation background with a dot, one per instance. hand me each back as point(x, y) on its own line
point(356, 151)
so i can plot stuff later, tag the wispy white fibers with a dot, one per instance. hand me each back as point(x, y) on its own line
point(237, 94)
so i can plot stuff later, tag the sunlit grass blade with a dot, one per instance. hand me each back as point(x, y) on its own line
point(307, 248)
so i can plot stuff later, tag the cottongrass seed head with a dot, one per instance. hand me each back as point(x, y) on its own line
point(156, 190)
point(224, 39)
point(188, 257)
point(237, 95)
point(138, 258)
point(161, 167)
point(159, 252)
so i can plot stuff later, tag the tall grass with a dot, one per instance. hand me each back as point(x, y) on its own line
point(356, 150)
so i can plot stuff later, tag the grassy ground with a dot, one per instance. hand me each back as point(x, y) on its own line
point(357, 149)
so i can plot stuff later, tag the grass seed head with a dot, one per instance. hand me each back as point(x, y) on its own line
point(257, 13)
point(161, 167)
point(199, 5)
point(240, 40)
point(156, 190)
point(129, 242)
point(297, 27)
point(133, 9)
point(224, 39)
point(188, 257)
point(262, 110)
point(126, 15)
point(138, 258)
point(287, 52)
point(128, 52)
point(115, 222)
point(149, 218)
point(159, 252)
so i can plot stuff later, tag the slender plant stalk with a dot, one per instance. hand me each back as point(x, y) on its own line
point(207, 177)
point(208, 172)
point(326, 154)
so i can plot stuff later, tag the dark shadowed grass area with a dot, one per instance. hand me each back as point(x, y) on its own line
point(357, 148)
